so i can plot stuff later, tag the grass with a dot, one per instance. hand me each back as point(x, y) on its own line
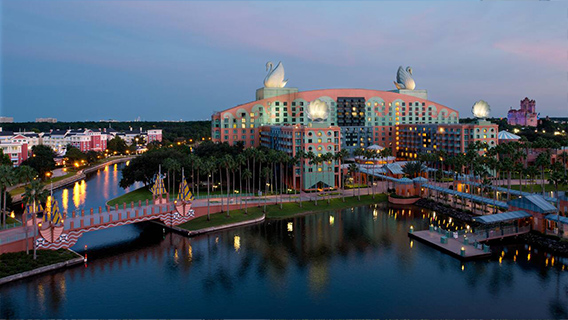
point(274, 212)
point(132, 196)
point(13, 263)
point(537, 187)
point(21, 189)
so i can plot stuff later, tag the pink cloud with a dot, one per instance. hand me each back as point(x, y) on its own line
point(544, 51)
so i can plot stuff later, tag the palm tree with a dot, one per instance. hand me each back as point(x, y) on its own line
point(301, 156)
point(228, 163)
point(266, 172)
point(209, 167)
point(339, 157)
point(414, 169)
point(196, 165)
point(247, 175)
point(25, 174)
point(240, 161)
point(354, 169)
point(543, 162)
point(7, 179)
point(34, 195)
point(532, 172)
point(557, 177)
point(169, 165)
point(314, 160)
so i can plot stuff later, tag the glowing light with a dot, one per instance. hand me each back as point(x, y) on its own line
point(331, 220)
point(237, 243)
point(290, 226)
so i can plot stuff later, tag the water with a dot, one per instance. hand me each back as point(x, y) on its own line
point(356, 263)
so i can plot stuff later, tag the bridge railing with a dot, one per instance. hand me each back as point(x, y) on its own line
point(466, 238)
point(10, 226)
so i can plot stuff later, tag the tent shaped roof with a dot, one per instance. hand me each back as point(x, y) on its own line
point(404, 181)
point(394, 168)
point(420, 179)
point(533, 202)
point(502, 217)
point(375, 147)
point(506, 135)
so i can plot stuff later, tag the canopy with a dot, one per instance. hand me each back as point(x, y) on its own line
point(556, 218)
point(502, 217)
point(52, 212)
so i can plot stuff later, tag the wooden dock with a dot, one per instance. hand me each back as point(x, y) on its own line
point(452, 247)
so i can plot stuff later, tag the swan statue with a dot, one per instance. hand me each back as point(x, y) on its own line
point(275, 77)
point(481, 109)
point(404, 79)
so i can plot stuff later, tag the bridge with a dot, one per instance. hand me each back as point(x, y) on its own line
point(78, 223)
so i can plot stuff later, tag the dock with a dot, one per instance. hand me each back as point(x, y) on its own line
point(452, 247)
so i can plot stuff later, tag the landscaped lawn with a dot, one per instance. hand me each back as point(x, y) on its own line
point(132, 196)
point(13, 263)
point(21, 189)
point(274, 212)
point(537, 187)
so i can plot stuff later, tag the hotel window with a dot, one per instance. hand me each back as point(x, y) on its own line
point(276, 103)
point(285, 103)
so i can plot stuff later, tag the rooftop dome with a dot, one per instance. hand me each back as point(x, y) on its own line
point(506, 135)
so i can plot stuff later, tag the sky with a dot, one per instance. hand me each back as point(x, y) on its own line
point(172, 60)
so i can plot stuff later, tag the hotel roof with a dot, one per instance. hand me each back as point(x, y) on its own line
point(506, 135)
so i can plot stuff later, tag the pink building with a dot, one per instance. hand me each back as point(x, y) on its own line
point(525, 116)
point(16, 148)
point(154, 135)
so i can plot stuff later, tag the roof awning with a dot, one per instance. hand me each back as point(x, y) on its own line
point(502, 217)
point(556, 218)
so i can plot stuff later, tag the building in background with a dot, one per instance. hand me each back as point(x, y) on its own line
point(50, 120)
point(6, 119)
point(525, 116)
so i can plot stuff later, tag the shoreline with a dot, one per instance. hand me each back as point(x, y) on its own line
point(533, 238)
point(78, 176)
point(60, 265)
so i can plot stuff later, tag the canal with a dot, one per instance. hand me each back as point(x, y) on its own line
point(356, 263)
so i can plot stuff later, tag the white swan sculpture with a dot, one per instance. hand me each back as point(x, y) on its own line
point(275, 77)
point(404, 79)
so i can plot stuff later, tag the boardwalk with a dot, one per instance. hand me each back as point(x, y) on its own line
point(453, 246)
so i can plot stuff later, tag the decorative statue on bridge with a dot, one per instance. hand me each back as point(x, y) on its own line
point(51, 226)
point(158, 189)
point(185, 198)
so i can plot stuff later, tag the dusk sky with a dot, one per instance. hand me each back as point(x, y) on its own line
point(162, 60)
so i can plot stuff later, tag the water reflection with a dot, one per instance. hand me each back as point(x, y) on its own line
point(361, 265)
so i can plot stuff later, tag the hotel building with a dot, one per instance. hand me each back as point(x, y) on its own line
point(279, 118)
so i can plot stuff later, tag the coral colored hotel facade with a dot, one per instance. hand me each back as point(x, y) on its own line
point(280, 119)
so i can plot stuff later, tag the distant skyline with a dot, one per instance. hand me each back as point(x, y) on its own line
point(162, 60)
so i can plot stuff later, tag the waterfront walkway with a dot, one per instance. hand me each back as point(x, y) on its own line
point(451, 245)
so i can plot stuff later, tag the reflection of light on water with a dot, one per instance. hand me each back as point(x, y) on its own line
point(290, 226)
point(176, 256)
point(79, 193)
point(127, 163)
point(237, 243)
point(106, 186)
point(65, 199)
point(317, 277)
point(190, 253)
point(41, 295)
point(331, 220)
point(375, 214)
point(411, 243)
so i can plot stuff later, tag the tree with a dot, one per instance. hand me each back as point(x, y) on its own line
point(557, 177)
point(74, 155)
point(25, 174)
point(414, 169)
point(34, 195)
point(339, 157)
point(42, 160)
point(247, 175)
point(117, 145)
point(5, 159)
point(353, 170)
point(7, 179)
